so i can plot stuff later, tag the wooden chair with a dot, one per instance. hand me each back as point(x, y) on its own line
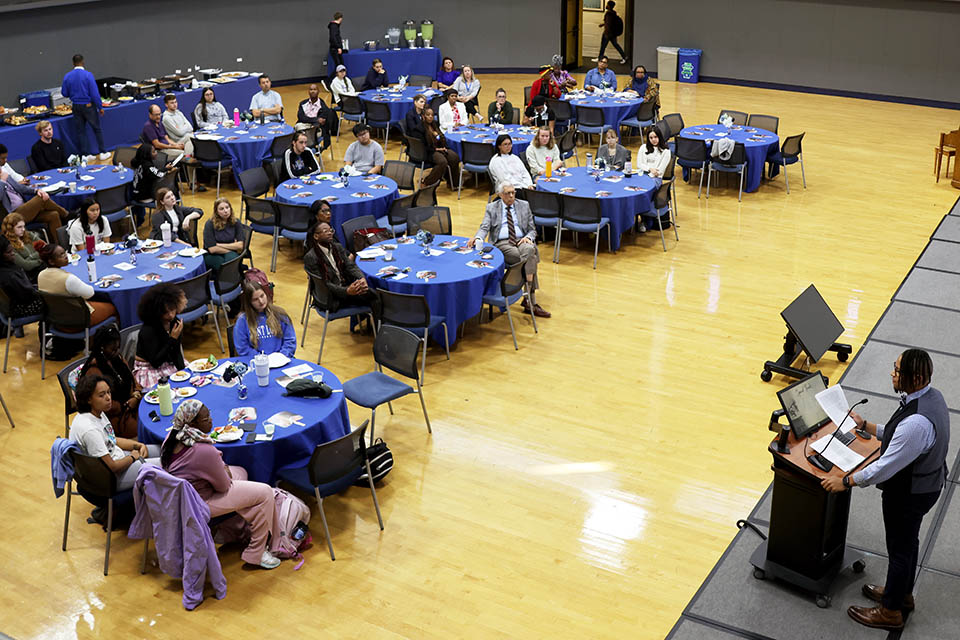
point(947, 147)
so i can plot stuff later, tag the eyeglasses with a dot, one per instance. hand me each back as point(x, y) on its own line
point(896, 370)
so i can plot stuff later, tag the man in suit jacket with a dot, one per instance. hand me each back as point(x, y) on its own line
point(329, 260)
point(508, 224)
point(30, 202)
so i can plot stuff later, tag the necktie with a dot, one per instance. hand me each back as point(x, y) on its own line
point(511, 228)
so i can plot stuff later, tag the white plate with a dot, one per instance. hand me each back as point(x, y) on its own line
point(191, 252)
point(180, 376)
point(185, 392)
point(234, 74)
point(150, 399)
point(152, 244)
point(105, 246)
point(200, 365)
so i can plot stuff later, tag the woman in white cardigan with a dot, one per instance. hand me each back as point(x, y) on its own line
point(452, 112)
point(507, 168)
point(543, 146)
point(653, 158)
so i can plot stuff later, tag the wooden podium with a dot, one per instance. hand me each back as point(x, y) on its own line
point(808, 525)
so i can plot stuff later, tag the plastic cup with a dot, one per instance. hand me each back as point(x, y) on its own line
point(72, 186)
point(268, 429)
point(262, 366)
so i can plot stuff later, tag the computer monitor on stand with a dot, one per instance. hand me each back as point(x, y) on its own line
point(811, 329)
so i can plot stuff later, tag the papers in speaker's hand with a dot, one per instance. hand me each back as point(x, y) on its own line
point(834, 403)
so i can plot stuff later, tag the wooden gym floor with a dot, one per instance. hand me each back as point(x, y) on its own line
point(580, 487)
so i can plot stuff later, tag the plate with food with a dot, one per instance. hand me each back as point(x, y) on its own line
point(228, 433)
point(36, 109)
point(201, 380)
point(234, 74)
point(180, 376)
point(15, 120)
point(185, 392)
point(202, 365)
point(152, 397)
point(104, 246)
point(125, 99)
point(152, 244)
point(191, 252)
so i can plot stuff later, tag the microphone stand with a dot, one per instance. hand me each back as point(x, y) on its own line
point(817, 459)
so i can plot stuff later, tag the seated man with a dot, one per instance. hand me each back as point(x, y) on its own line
point(601, 77)
point(5, 166)
point(29, 202)
point(538, 114)
point(364, 155)
point(156, 135)
point(267, 104)
point(314, 112)
point(329, 260)
point(47, 152)
point(297, 159)
point(508, 224)
point(178, 128)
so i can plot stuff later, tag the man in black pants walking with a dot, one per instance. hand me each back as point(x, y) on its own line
point(911, 471)
point(336, 42)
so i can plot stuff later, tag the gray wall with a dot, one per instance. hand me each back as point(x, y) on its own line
point(286, 38)
point(892, 47)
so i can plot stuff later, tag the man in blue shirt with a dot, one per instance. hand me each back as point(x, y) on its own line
point(80, 86)
point(601, 77)
point(911, 472)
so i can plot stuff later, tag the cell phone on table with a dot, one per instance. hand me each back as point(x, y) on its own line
point(153, 416)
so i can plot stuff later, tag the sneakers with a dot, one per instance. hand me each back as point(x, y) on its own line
point(642, 228)
point(623, 61)
point(105, 156)
point(268, 560)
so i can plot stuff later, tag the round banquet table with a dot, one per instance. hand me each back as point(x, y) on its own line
point(345, 204)
point(616, 106)
point(522, 136)
point(758, 143)
point(628, 196)
point(92, 179)
point(324, 419)
point(457, 290)
point(125, 293)
point(400, 102)
point(247, 145)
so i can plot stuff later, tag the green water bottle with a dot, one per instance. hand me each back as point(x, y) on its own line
point(165, 396)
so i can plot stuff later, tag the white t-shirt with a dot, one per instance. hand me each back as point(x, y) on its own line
point(77, 237)
point(174, 221)
point(95, 436)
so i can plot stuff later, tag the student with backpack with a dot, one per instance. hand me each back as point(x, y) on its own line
point(612, 29)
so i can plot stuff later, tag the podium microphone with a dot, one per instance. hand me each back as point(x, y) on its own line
point(817, 459)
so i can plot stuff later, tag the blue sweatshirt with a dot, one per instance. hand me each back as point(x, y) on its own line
point(266, 341)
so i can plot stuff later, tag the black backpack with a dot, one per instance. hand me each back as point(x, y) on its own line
point(381, 461)
point(616, 26)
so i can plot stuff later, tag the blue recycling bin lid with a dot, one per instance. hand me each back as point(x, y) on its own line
point(691, 52)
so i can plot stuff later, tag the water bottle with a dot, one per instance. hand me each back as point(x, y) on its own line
point(549, 166)
point(91, 243)
point(133, 256)
point(236, 117)
point(91, 269)
point(165, 233)
point(589, 161)
point(165, 396)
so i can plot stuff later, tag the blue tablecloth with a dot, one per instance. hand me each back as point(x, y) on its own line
point(123, 123)
point(621, 206)
point(614, 108)
point(126, 296)
point(522, 136)
point(344, 205)
point(396, 62)
point(457, 290)
point(103, 177)
point(323, 419)
point(249, 145)
point(757, 150)
point(400, 102)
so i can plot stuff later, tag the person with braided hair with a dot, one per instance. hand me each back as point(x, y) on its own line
point(911, 472)
point(329, 260)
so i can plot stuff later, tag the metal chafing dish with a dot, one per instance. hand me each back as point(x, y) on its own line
point(370, 45)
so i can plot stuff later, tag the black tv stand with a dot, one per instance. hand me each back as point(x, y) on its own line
point(791, 350)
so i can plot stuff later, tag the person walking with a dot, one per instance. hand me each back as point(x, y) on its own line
point(612, 29)
point(81, 87)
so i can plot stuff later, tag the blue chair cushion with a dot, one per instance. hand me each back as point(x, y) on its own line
point(373, 389)
point(300, 478)
point(190, 316)
point(79, 335)
point(779, 158)
point(384, 222)
point(498, 300)
point(717, 166)
point(343, 312)
point(117, 215)
point(435, 321)
point(294, 235)
point(225, 162)
point(350, 116)
point(19, 322)
point(545, 222)
point(262, 228)
point(585, 227)
point(689, 164)
point(229, 296)
point(474, 168)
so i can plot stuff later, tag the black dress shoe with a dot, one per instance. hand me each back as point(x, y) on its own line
point(877, 617)
point(875, 593)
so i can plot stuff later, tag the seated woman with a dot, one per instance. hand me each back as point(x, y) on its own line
point(505, 167)
point(413, 120)
point(54, 279)
point(643, 86)
point(146, 176)
point(467, 88)
point(500, 110)
point(88, 222)
point(223, 235)
point(265, 327)
point(177, 216)
point(189, 454)
point(613, 154)
point(441, 156)
point(209, 112)
point(298, 160)
point(653, 158)
point(453, 114)
point(158, 346)
point(341, 85)
point(328, 259)
point(447, 74)
point(14, 229)
point(376, 77)
point(91, 429)
point(543, 147)
point(105, 362)
point(24, 299)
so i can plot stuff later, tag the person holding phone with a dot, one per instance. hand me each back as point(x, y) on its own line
point(159, 353)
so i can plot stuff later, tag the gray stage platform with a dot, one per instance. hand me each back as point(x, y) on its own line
point(924, 312)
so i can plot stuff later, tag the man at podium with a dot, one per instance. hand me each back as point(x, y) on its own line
point(910, 471)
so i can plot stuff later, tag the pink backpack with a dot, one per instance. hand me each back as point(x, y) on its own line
point(258, 276)
point(290, 533)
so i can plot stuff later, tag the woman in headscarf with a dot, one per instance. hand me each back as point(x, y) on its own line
point(644, 86)
point(188, 453)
